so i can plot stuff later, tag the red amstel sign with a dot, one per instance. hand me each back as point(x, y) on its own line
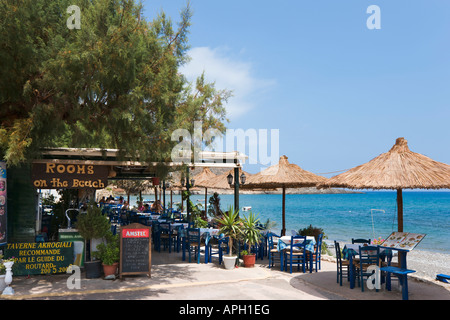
point(135, 233)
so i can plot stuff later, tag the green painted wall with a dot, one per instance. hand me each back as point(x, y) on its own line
point(21, 203)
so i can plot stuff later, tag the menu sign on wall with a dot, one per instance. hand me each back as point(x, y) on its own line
point(135, 249)
point(2, 203)
point(69, 176)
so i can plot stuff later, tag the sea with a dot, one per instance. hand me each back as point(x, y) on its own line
point(371, 214)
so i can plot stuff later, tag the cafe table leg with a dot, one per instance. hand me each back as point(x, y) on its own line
point(183, 248)
point(352, 272)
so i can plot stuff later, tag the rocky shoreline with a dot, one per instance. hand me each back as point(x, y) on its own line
point(274, 191)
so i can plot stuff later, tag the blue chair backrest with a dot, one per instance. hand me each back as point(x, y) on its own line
point(369, 255)
point(319, 243)
point(193, 234)
point(299, 244)
point(360, 241)
point(155, 227)
point(270, 237)
point(337, 247)
point(165, 227)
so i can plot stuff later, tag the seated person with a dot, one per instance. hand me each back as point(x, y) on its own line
point(146, 208)
point(140, 206)
point(102, 201)
point(125, 206)
point(156, 207)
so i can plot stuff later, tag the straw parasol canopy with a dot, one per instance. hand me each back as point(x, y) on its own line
point(283, 175)
point(202, 179)
point(220, 181)
point(397, 169)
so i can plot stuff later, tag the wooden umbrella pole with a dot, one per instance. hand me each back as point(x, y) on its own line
point(283, 230)
point(400, 210)
point(206, 198)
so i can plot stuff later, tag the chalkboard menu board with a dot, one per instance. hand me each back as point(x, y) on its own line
point(135, 249)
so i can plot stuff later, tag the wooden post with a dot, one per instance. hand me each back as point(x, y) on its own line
point(206, 206)
point(283, 230)
point(401, 255)
point(400, 210)
point(236, 189)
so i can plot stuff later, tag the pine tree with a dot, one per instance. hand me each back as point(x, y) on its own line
point(113, 83)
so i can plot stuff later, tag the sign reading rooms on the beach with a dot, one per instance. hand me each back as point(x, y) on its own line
point(69, 176)
point(135, 249)
point(40, 257)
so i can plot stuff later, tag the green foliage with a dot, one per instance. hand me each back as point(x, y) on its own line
point(214, 205)
point(92, 224)
point(109, 252)
point(250, 229)
point(230, 226)
point(269, 225)
point(199, 222)
point(314, 231)
point(114, 83)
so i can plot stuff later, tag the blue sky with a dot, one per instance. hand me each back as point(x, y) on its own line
point(339, 93)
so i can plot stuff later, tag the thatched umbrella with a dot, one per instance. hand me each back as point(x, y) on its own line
point(397, 169)
point(201, 180)
point(220, 181)
point(283, 175)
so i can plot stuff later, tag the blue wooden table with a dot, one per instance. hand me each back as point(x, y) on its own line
point(352, 250)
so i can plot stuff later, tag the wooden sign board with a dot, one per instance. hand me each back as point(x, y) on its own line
point(403, 240)
point(40, 257)
point(69, 176)
point(135, 250)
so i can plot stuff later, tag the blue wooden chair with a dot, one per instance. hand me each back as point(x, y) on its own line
point(443, 277)
point(218, 245)
point(296, 254)
point(193, 242)
point(156, 230)
point(166, 236)
point(316, 255)
point(123, 218)
point(368, 255)
point(272, 250)
point(362, 241)
point(341, 264)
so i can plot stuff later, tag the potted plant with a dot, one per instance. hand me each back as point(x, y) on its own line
point(92, 225)
point(230, 226)
point(109, 254)
point(251, 236)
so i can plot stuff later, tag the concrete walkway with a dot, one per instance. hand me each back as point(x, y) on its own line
point(174, 279)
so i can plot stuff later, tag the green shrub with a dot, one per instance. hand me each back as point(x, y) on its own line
point(315, 231)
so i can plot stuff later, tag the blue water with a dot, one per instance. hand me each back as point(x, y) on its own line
point(346, 216)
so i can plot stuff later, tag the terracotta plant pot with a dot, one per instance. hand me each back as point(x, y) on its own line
point(110, 270)
point(249, 260)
